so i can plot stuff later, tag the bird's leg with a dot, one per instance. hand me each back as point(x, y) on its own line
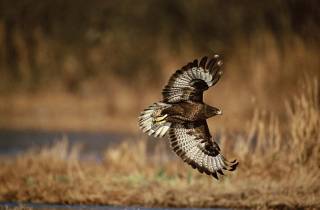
point(158, 118)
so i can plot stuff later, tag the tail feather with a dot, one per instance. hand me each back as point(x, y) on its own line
point(152, 122)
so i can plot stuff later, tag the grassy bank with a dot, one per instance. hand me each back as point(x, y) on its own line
point(279, 168)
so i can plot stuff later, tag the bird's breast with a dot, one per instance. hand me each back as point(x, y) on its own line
point(187, 111)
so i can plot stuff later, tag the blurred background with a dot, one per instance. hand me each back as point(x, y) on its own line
point(94, 65)
point(82, 71)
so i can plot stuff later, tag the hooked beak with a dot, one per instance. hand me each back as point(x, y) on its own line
point(218, 111)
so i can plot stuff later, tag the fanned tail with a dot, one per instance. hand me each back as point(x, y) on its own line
point(152, 122)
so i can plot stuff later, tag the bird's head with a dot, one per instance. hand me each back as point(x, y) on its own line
point(211, 111)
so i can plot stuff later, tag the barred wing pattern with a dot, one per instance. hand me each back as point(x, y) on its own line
point(190, 81)
point(194, 144)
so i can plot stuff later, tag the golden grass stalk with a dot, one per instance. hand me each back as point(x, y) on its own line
point(304, 124)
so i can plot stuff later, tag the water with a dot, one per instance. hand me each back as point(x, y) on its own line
point(13, 142)
point(88, 207)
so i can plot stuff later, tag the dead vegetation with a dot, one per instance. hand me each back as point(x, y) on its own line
point(279, 168)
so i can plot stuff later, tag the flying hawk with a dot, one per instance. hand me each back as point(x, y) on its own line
point(182, 114)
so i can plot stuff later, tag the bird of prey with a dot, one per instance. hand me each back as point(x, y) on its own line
point(182, 115)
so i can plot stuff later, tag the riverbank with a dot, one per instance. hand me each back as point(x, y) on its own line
point(279, 168)
point(128, 176)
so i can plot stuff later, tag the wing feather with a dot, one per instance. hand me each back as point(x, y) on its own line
point(189, 82)
point(194, 144)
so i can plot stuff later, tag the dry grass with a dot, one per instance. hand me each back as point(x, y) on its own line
point(279, 168)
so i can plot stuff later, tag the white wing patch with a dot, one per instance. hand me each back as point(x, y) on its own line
point(180, 86)
point(191, 74)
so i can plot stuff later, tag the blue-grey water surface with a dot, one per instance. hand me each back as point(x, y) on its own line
point(88, 207)
point(13, 142)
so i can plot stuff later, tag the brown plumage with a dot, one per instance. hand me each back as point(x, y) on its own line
point(182, 114)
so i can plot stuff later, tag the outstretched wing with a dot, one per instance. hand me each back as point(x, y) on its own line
point(189, 82)
point(194, 144)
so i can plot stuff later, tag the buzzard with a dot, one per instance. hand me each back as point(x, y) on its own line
point(182, 115)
